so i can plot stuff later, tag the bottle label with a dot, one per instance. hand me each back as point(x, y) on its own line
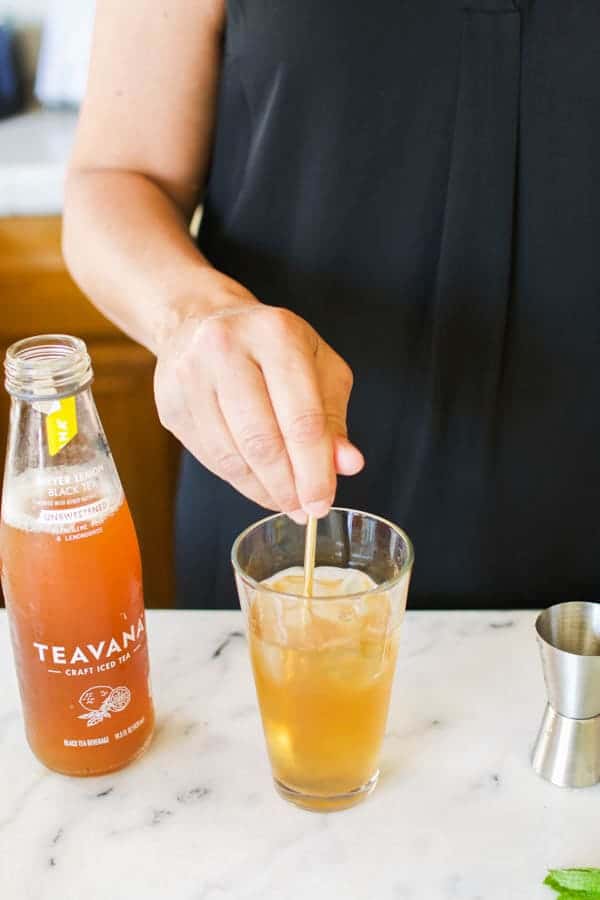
point(97, 712)
point(101, 701)
point(90, 511)
point(92, 658)
point(61, 425)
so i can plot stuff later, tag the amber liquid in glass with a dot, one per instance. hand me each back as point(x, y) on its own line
point(323, 674)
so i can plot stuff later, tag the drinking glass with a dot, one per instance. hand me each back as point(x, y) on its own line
point(324, 666)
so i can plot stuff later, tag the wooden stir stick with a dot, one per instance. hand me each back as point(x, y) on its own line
point(310, 549)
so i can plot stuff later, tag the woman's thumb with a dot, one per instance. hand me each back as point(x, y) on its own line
point(348, 458)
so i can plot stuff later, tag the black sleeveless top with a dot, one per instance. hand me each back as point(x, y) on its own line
point(420, 179)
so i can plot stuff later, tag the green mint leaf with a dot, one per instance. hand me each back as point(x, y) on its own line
point(571, 895)
point(575, 883)
point(551, 881)
point(578, 895)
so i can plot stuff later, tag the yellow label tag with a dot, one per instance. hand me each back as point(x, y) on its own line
point(61, 425)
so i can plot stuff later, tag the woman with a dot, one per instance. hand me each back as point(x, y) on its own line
point(413, 184)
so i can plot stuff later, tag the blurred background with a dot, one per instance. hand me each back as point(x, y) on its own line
point(44, 52)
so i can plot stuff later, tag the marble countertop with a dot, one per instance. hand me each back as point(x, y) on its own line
point(458, 813)
point(34, 149)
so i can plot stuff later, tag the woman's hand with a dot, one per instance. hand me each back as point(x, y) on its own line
point(254, 393)
point(261, 400)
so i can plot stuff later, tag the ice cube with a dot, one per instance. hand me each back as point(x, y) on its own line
point(329, 581)
point(280, 743)
point(271, 660)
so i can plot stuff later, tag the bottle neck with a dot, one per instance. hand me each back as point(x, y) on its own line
point(54, 423)
point(47, 367)
point(59, 476)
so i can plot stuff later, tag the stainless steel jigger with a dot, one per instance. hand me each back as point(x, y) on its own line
point(567, 749)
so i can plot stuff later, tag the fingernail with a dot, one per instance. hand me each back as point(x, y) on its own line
point(319, 508)
point(298, 516)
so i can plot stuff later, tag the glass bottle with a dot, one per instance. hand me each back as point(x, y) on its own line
point(71, 569)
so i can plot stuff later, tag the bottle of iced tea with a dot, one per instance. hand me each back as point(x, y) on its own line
point(70, 567)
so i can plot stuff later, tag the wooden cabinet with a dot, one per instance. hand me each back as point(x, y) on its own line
point(38, 296)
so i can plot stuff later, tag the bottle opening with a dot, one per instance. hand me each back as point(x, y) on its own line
point(47, 367)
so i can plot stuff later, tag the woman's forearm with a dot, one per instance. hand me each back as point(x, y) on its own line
point(127, 245)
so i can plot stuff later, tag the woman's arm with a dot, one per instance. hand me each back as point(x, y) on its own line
point(139, 163)
point(254, 393)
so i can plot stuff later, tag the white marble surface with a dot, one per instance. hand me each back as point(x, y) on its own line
point(34, 149)
point(458, 814)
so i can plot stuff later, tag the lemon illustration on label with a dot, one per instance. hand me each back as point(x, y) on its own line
point(61, 425)
point(100, 701)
